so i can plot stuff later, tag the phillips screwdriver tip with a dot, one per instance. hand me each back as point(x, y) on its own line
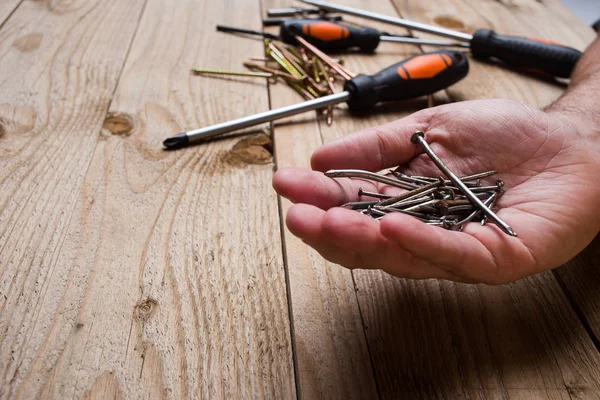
point(177, 141)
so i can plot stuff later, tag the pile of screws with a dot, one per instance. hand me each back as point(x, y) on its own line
point(449, 204)
point(304, 68)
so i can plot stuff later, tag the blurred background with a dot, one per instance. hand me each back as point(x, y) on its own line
point(587, 10)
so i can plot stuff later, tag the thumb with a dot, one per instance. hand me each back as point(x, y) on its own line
point(375, 148)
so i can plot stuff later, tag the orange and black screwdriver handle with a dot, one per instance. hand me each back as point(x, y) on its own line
point(530, 53)
point(414, 77)
point(330, 36)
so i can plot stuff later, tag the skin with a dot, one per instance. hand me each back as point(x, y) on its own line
point(549, 160)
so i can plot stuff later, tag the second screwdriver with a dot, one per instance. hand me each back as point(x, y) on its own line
point(330, 36)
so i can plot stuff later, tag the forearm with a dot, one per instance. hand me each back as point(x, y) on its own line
point(581, 100)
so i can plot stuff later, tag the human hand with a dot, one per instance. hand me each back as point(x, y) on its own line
point(550, 165)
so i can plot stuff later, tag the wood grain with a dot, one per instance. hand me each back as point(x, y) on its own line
point(6, 8)
point(165, 278)
point(206, 296)
point(131, 272)
point(581, 280)
point(331, 355)
point(58, 69)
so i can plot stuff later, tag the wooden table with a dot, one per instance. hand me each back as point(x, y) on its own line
point(130, 272)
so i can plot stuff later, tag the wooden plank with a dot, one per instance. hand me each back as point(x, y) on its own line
point(431, 339)
point(332, 359)
point(445, 340)
point(55, 87)
point(581, 279)
point(7, 7)
point(168, 278)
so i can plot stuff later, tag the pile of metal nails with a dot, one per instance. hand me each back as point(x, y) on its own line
point(304, 68)
point(447, 203)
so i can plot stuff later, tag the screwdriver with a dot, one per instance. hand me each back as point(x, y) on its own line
point(331, 36)
point(529, 53)
point(414, 77)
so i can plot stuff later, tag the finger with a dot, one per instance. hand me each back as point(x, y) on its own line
point(305, 221)
point(311, 187)
point(373, 149)
point(349, 239)
point(456, 252)
point(361, 235)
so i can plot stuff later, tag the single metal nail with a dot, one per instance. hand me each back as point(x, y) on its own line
point(469, 182)
point(272, 71)
point(362, 192)
point(201, 71)
point(408, 202)
point(430, 101)
point(325, 74)
point(374, 211)
point(478, 176)
point(359, 205)
point(454, 209)
point(417, 215)
point(294, 54)
point(301, 90)
point(460, 202)
point(357, 173)
point(419, 137)
point(265, 59)
point(423, 206)
point(480, 189)
point(411, 179)
point(304, 55)
point(418, 190)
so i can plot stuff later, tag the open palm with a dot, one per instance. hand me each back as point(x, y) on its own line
point(551, 194)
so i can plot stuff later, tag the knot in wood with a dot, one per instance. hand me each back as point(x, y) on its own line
point(119, 124)
point(450, 22)
point(251, 150)
point(28, 43)
point(144, 308)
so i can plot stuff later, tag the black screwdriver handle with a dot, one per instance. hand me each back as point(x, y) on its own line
point(329, 36)
point(414, 77)
point(529, 53)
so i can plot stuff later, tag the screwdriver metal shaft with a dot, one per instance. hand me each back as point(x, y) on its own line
point(464, 37)
point(417, 41)
point(196, 135)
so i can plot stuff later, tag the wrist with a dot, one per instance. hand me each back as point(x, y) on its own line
point(579, 107)
point(586, 126)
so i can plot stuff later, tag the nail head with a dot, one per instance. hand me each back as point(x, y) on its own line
point(415, 136)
